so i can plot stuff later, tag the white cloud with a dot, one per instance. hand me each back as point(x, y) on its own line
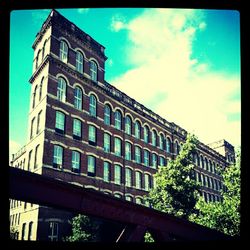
point(13, 148)
point(82, 10)
point(117, 23)
point(195, 98)
point(202, 26)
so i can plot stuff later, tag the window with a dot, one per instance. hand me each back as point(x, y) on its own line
point(23, 231)
point(138, 180)
point(137, 154)
point(118, 147)
point(91, 166)
point(162, 161)
point(60, 122)
point(34, 97)
point(118, 119)
point(128, 124)
point(161, 142)
point(30, 230)
point(63, 51)
point(147, 182)
point(36, 155)
point(210, 166)
point(138, 200)
point(75, 161)
point(128, 198)
point(38, 128)
point(58, 156)
point(38, 58)
point(206, 164)
point(79, 61)
point(154, 160)
point(137, 130)
point(118, 173)
point(146, 134)
point(107, 143)
point(128, 173)
point(176, 147)
point(61, 89)
point(106, 171)
point(32, 128)
point(92, 134)
point(93, 71)
point(201, 162)
point(146, 157)
point(53, 231)
point(154, 138)
point(77, 129)
point(44, 48)
point(41, 89)
point(107, 115)
point(78, 98)
point(29, 160)
point(168, 145)
point(92, 105)
point(128, 148)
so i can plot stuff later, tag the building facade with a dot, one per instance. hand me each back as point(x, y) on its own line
point(85, 131)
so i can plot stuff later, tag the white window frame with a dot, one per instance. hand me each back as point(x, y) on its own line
point(92, 133)
point(60, 121)
point(137, 130)
point(128, 151)
point(106, 171)
point(146, 157)
point(92, 105)
point(63, 51)
point(118, 146)
point(118, 120)
point(91, 164)
point(77, 127)
point(128, 125)
point(107, 116)
point(61, 89)
point(54, 228)
point(107, 142)
point(58, 155)
point(93, 70)
point(76, 159)
point(79, 61)
point(137, 154)
point(128, 177)
point(78, 98)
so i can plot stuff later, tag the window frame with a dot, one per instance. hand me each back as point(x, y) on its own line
point(92, 135)
point(60, 124)
point(79, 61)
point(118, 120)
point(93, 69)
point(63, 51)
point(78, 98)
point(77, 129)
point(91, 165)
point(107, 116)
point(57, 156)
point(92, 105)
point(61, 89)
point(75, 160)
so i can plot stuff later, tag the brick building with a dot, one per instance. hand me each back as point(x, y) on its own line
point(85, 131)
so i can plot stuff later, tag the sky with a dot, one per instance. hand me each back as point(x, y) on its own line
point(183, 64)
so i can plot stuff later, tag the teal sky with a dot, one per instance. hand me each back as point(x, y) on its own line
point(218, 46)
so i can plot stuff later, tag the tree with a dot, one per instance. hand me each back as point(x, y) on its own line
point(84, 228)
point(175, 190)
point(223, 216)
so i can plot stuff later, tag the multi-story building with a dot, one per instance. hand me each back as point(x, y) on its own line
point(85, 131)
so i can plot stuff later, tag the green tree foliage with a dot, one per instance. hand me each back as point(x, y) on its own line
point(223, 216)
point(83, 229)
point(148, 237)
point(175, 190)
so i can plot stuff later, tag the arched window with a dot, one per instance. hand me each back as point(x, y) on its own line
point(58, 156)
point(137, 130)
point(146, 134)
point(63, 51)
point(128, 125)
point(154, 138)
point(206, 164)
point(44, 48)
point(79, 61)
point(76, 156)
point(38, 60)
point(92, 105)
point(93, 70)
point(137, 154)
point(107, 114)
point(128, 177)
point(154, 160)
point(147, 182)
point(61, 89)
point(168, 145)
point(146, 157)
point(34, 97)
point(78, 98)
point(60, 122)
point(118, 119)
point(40, 89)
point(23, 231)
point(201, 162)
point(30, 230)
point(36, 156)
point(138, 180)
point(161, 142)
point(176, 148)
point(128, 153)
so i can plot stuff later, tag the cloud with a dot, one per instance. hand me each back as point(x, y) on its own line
point(168, 80)
point(117, 23)
point(82, 10)
point(13, 148)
